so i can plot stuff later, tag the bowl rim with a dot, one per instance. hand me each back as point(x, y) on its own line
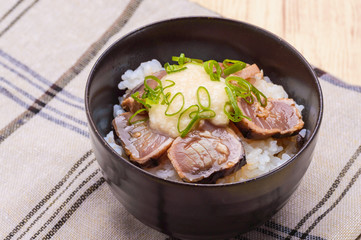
point(218, 19)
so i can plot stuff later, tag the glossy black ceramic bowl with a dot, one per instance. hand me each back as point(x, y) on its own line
point(195, 211)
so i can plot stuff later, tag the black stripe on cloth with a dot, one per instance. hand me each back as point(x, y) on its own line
point(287, 230)
point(10, 10)
point(49, 195)
point(41, 104)
point(35, 109)
point(343, 194)
point(40, 87)
point(269, 233)
point(277, 236)
point(38, 77)
point(12, 23)
point(57, 197)
point(335, 81)
point(329, 193)
point(71, 211)
point(77, 68)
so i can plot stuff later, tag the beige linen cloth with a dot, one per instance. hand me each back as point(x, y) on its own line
point(50, 182)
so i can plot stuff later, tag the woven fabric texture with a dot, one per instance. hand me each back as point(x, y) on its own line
point(50, 183)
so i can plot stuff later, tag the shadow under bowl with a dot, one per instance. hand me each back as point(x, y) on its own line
point(196, 211)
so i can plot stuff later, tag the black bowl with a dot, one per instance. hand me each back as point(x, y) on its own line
point(195, 211)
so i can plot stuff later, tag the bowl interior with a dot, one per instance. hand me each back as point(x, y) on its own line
point(203, 38)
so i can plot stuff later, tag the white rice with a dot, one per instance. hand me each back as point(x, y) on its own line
point(262, 155)
point(269, 89)
point(110, 139)
point(165, 170)
point(131, 78)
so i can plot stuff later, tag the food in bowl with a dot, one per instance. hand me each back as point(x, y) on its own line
point(187, 210)
point(205, 121)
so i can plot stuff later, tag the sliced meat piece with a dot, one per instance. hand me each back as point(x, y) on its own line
point(140, 142)
point(280, 118)
point(129, 104)
point(250, 73)
point(207, 154)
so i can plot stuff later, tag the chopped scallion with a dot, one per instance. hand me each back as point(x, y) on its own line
point(182, 59)
point(210, 66)
point(203, 89)
point(170, 103)
point(173, 68)
point(135, 114)
point(234, 68)
point(193, 117)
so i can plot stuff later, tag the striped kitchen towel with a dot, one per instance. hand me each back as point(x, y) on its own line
point(50, 182)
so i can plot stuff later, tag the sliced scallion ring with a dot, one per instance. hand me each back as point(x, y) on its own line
point(173, 68)
point(135, 114)
point(170, 103)
point(209, 68)
point(236, 115)
point(136, 97)
point(170, 85)
point(207, 113)
point(234, 68)
point(203, 89)
point(230, 62)
point(260, 96)
point(182, 59)
point(193, 116)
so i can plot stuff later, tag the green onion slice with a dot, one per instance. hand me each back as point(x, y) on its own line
point(166, 99)
point(259, 94)
point(236, 115)
point(203, 89)
point(241, 87)
point(136, 97)
point(209, 68)
point(135, 114)
point(152, 96)
point(234, 68)
point(173, 68)
point(170, 85)
point(232, 115)
point(230, 62)
point(147, 87)
point(207, 113)
point(182, 59)
point(150, 93)
point(203, 114)
point(244, 89)
point(226, 109)
point(194, 113)
point(238, 87)
point(193, 116)
point(170, 103)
